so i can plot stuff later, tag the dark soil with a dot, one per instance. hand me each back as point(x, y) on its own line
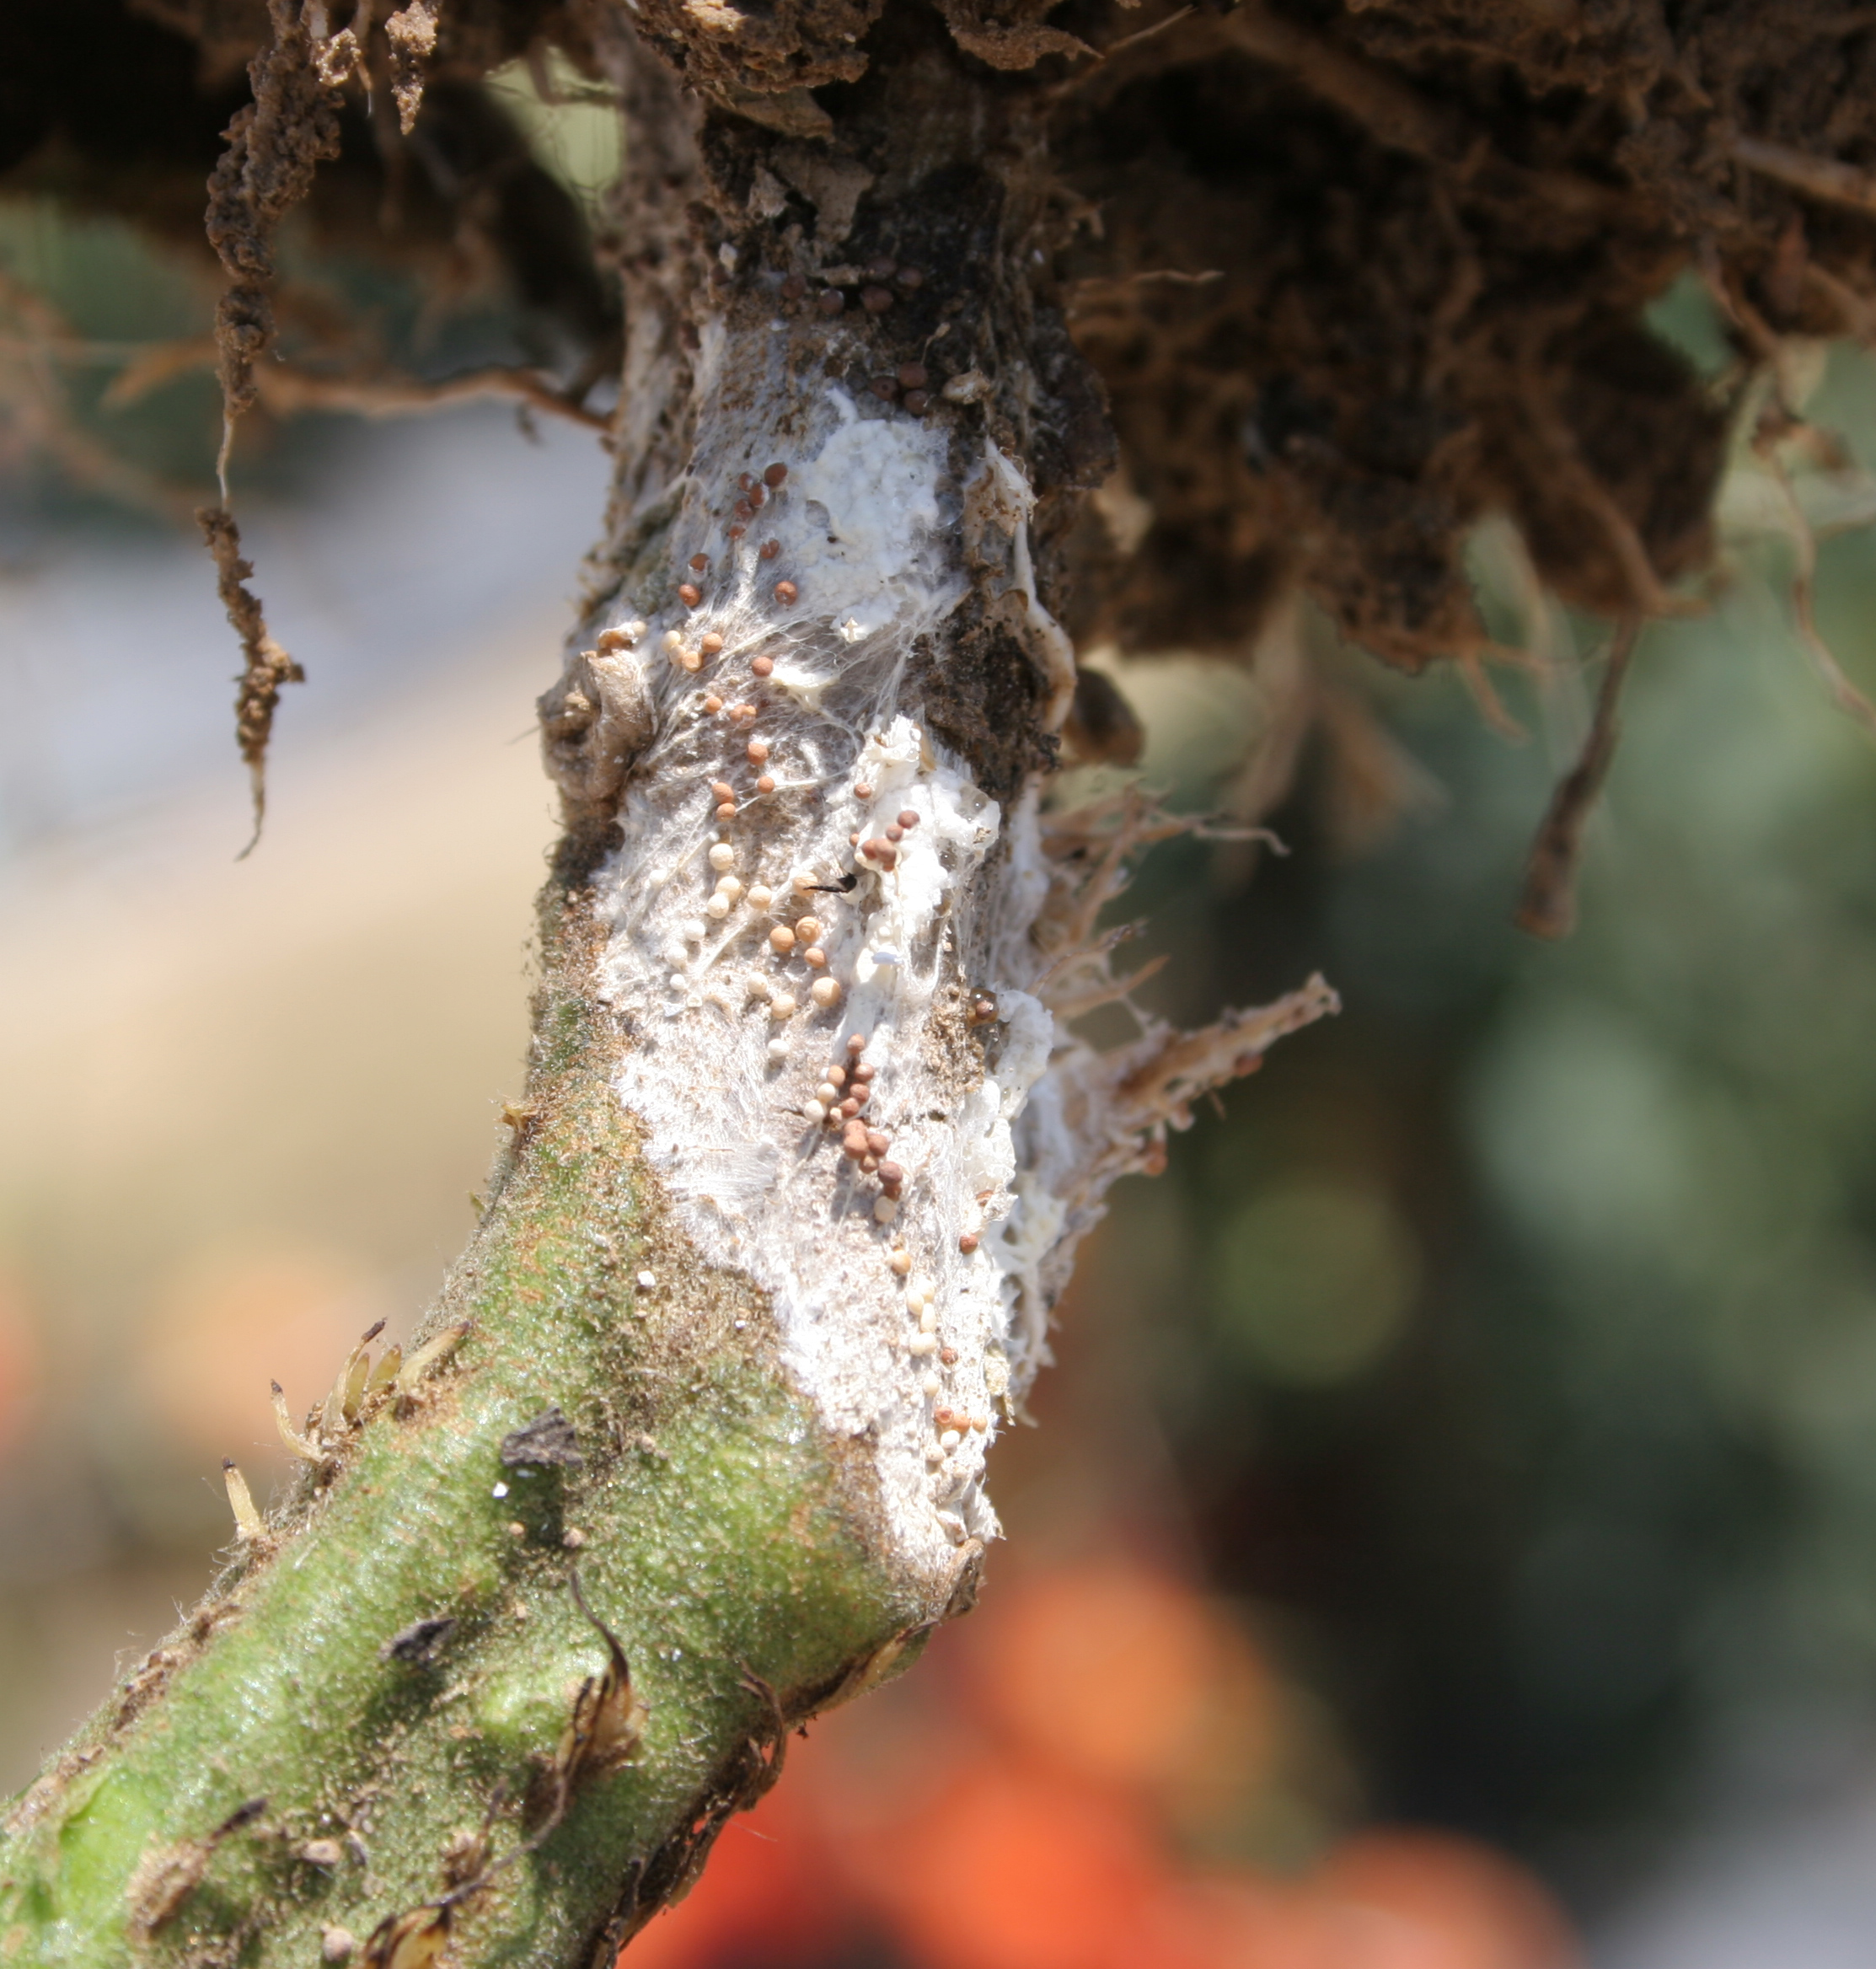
point(1351, 277)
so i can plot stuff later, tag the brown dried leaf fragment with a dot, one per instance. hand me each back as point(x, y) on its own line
point(411, 32)
point(736, 49)
point(249, 1527)
point(603, 1731)
point(549, 1439)
point(166, 1877)
point(1016, 44)
point(1101, 728)
point(595, 722)
point(419, 1644)
point(268, 667)
point(433, 1353)
point(412, 1940)
point(609, 1719)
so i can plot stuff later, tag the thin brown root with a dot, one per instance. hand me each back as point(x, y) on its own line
point(1068, 1006)
point(268, 667)
point(1162, 1087)
point(1821, 178)
point(1144, 33)
point(1548, 907)
point(286, 389)
point(36, 411)
point(1844, 694)
point(274, 146)
point(1485, 695)
point(1646, 595)
point(1372, 780)
point(1391, 110)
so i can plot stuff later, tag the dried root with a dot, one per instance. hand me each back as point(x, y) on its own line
point(1548, 909)
point(268, 668)
point(274, 145)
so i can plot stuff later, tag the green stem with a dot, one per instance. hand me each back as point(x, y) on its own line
point(728, 1552)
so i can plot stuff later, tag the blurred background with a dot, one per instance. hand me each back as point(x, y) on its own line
point(1449, 1540)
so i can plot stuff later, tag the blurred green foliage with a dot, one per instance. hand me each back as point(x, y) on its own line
point(1515, 1333)
point(93, 306)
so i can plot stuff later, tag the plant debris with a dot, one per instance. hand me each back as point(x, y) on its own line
point(547, 1439)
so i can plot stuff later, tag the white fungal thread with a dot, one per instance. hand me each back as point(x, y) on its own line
point(832, 985)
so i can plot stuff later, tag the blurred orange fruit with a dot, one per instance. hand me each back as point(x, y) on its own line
point(769, 1896)
point(230, 1320)
point(1120, 1674)
point(1434, 1901)
point(1010, 1868)
point(914, 1829)
point(1241, 1924)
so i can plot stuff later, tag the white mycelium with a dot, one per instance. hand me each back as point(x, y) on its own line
point(730, 1051)
point(880, 526)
